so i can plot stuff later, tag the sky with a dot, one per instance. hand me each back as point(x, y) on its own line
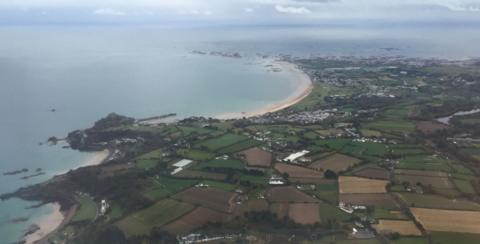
point(236, 11)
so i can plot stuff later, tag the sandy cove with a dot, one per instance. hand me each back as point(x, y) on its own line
point(96, 158)
point(304, 87)
point(56, 219)
point(46, 224)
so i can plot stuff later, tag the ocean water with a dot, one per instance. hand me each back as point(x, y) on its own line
point(87, 72)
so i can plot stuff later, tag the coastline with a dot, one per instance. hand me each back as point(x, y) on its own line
point(46, 224)
point(96, 158)
point(302, 82)
point(54, 220)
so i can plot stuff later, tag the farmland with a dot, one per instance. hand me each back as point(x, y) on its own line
point(220, 163)
point(298, 173)
point(363, 156)
point(212, 198)
point(376, 199)
point(166, 186)
point(373, 173)
point(161, 213)
point(221, 142)
point(304, 213)
point(438, 202)
point(288, 194)
point(351, 184)
point(336, 163)
point(403, 227)
point(257, 157)
point(448, 220)
point(195, 219)
point(87, 210)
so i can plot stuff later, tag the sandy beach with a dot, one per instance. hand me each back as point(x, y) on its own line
point(47, 224)
point(56, 218)
point(96, 158)
point(302, 82)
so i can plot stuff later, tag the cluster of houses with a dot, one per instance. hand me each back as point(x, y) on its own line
point(200, 238)
point(304, 118)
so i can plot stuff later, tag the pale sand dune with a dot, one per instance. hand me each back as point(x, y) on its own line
point(47, 224)
point(304, 87)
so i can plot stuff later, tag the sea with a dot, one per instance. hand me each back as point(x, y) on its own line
point(55, 79)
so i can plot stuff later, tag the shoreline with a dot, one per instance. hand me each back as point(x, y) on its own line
point(96, 158)
point(304, 86)
point(49, 223)
point(46, 225)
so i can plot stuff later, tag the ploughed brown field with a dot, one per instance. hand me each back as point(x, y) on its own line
point(299, 174)
point(304, 213)
point(374, 173)
point(257, 157)
point(212, 198)
point(196, 219)
point(300, 213)
point(251, 205)
point(288, 194)
point(429, 127)
point(375, 199)
point(448, 220)
point(403, 227)
point(352, 184)
point(336, 162)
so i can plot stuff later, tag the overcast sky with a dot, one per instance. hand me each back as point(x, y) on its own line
point(236, 11)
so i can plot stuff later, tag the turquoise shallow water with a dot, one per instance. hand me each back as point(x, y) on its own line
point(88, 72)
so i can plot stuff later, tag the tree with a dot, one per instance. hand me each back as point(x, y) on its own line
point(330, 175)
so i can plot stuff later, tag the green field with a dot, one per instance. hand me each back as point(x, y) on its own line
point(330, 212)
point(254, 179)
point(240, 146)
point(393, 120)
point(407, 150)
point(163, 212)
point(219, 163)
point(457, 238)
point(364, 150)
point(115, 212)
point(458, 168)
point(391, 126)
point(425, 162)
point(223, 141)
point(188, 131)
point(464, 186)
point(166, 186)
point(327, 192)
point(195, 154)
point(220, 185)
point(411, 240)
point(146, 164)
point(87, 209)
point(155, 154)
point(383, 213)
point(439, 202)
